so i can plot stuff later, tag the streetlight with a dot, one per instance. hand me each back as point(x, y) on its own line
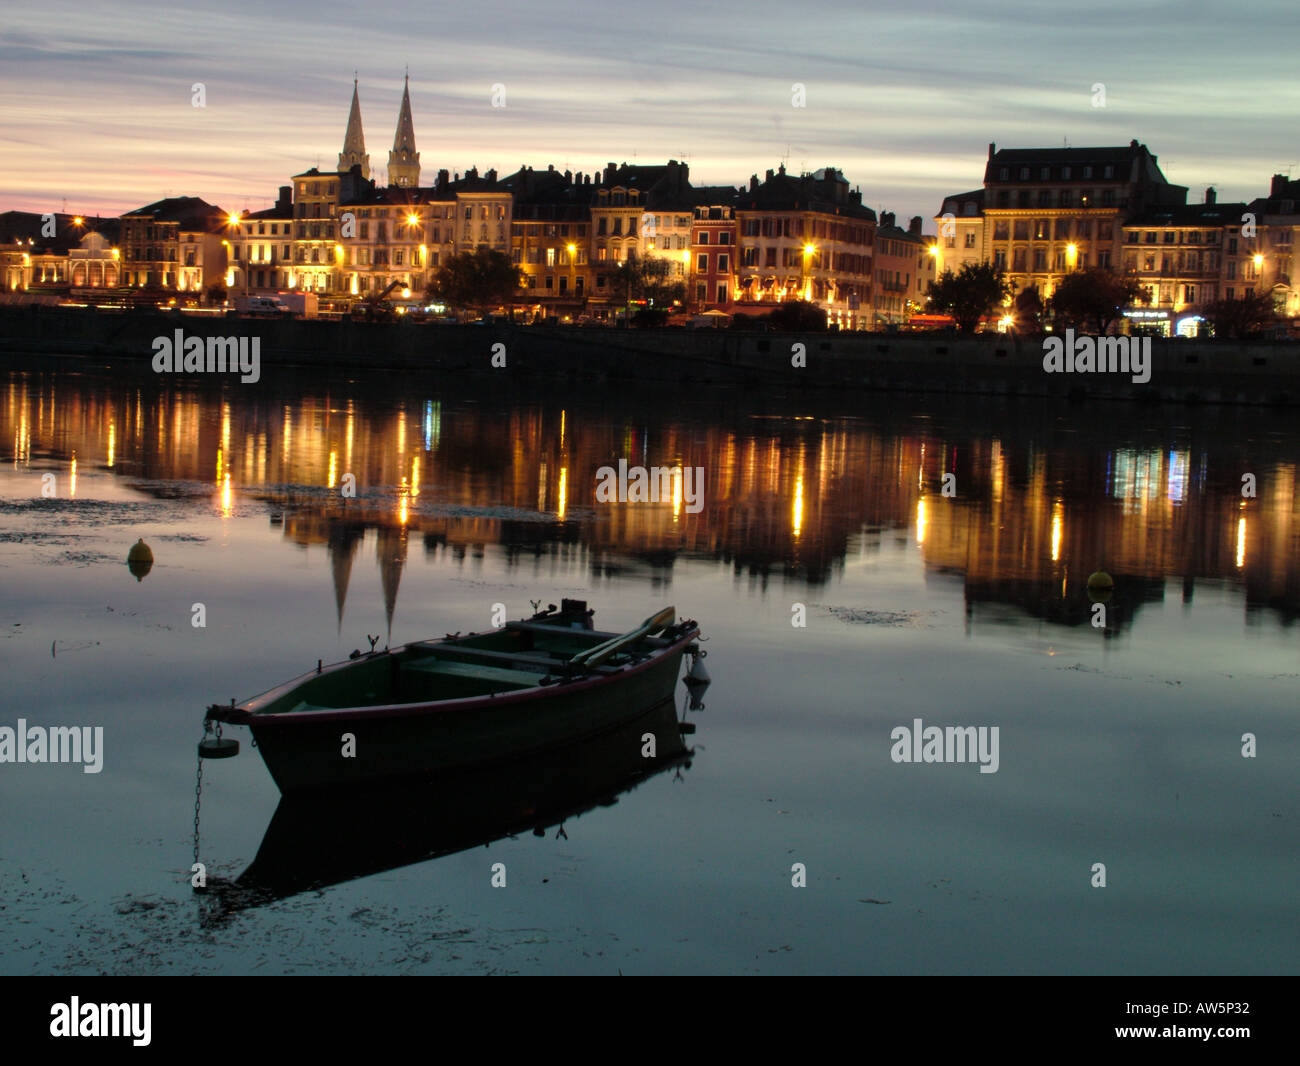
point(233, 221)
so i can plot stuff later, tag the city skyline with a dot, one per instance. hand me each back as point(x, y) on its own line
point(718, 94)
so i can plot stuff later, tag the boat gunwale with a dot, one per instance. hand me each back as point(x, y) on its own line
point(247, 714)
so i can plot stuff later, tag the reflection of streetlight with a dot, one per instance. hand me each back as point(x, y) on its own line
point(1071, 255)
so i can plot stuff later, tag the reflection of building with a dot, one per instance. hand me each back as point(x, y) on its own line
point(787, 497)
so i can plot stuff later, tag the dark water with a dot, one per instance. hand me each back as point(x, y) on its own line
point(1119, 744)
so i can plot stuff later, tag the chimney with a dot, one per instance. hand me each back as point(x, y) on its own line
point(568, 177)
point(491, 175)
point(753, 182)
point(1210, 195)
point(443, 178)
point(886, 218)
point(914, 226)
point(992, 148)
point(770, 174)
point(781, 169)
point(1133, 143)
point(1278, 187)
point(286, 197)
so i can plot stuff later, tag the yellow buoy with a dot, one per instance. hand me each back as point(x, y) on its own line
point(139, 560)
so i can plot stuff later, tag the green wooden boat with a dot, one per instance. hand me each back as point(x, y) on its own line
point(459, 701)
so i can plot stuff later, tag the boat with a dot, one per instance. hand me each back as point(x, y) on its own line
point(435, 705)
point(317, 840)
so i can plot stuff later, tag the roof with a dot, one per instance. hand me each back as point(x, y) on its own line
point(785, 192)
point(961, 199)
point(1122, 157)
point(190, 212)
point(29, 225)
point(1190, 215)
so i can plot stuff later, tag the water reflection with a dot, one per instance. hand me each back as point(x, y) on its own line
point(1022, 502)
point(332, 837)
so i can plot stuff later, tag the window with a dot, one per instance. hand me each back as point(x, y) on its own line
point(1018, 261)
point(1062, 229)
point(1024, 173)
point(749, 257)
point(550, 282)
point(1103, 258)
point(1169, 236)
point(702, 237)
point(950, 242)
point(701, 292)
point(1000, 259)
point(722, 294)
point(1002, 229)
point(1042, 229)
point(1232, 270)
point(724, 264)
point(1021, 229)
point(397, 257)
point(1109, 172)
point(970, 239)
point(702, 263)
point(1044, 198)
point(1004, 174)
point(550, 257)
point(724, 237)
point(1040, 260)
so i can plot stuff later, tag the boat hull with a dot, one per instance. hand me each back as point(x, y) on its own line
point(339, 748)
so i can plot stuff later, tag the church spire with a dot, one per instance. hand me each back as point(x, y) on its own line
point(404, 160)
point(354, 142)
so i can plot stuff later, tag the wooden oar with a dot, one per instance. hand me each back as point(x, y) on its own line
point(597, 655)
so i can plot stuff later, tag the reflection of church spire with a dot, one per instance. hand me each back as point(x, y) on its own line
point(343, 544)
point(392, 557)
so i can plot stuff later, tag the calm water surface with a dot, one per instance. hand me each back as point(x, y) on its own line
point(1118, 745)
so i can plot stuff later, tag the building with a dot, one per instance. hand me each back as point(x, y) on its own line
point(715, 251)
point(1177, 254)
point(550, 232)
point(178, 245)
point(806, 237)
point(960, 226)
point(903, 266)
point(1271, 250)
point(57, 254)
point(403, 159)
point(1052, 210)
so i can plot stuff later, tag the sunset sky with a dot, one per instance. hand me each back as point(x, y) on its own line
point(96, 99)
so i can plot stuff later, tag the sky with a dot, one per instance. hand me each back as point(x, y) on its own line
point(97, 100)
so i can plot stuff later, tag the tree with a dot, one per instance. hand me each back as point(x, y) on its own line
point(479, 280)
point(216, 293)
point(1248, 316)
point(648, 278)
point(1093, 297)
point(969, 295)
point(1028, 306)
point(797, 316)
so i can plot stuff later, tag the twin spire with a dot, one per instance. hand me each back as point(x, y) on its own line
point(403, 160)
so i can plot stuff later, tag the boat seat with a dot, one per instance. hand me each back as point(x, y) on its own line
point(498, 674)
